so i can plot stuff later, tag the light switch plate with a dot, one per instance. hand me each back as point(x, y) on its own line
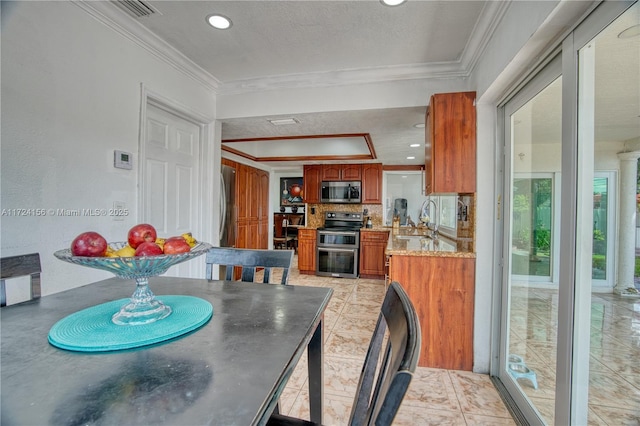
point(122, 160)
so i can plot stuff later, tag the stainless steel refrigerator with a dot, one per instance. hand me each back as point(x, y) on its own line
point(227, 207)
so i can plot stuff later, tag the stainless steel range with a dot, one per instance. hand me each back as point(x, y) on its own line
point(338, 245)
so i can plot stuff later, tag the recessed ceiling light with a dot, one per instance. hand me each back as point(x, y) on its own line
point(419, 126)
point(392, 2)
point(414, 145)
point(632, 31)
point(219, 21)
point(284, 121)
point(411, 158)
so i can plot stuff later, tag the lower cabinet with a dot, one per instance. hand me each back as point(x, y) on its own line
point(307, 251)
point(442, 290)
point(372, 258)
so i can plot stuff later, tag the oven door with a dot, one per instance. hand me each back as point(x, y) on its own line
point(337, 262)
point(338, 239)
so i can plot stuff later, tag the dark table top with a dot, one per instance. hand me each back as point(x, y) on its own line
point(229, 372)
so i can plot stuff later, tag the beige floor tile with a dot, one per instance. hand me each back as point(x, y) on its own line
point(354, 324)
point(414, 416)
point(477, 395)
point(347, 345)
point(432, 388)
point(480, 420)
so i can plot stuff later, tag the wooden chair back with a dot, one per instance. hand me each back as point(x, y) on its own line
point(19, 266)
point(250, 261)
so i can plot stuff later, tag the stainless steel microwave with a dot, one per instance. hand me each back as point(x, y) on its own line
point(341, 192)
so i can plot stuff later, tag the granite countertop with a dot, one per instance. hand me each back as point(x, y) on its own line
point(407, 241)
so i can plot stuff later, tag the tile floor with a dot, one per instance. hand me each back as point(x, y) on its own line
point(435, 397)
point(614, 376)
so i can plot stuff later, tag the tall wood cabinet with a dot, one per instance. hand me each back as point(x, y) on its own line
point(307, 251)
point(450, 143)
point(251, 205)
point(312, 180)
point(442, 291)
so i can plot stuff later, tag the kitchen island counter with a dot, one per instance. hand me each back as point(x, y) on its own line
point(416, 242)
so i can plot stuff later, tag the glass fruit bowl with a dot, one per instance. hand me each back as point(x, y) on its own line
point(143, 307)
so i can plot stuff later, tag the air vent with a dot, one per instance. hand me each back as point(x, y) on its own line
point(135, 8)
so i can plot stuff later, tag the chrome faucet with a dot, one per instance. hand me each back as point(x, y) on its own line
point(433, 225)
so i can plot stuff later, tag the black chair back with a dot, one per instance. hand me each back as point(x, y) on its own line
point(19, 266)
point(377, 404)
point(250, 260)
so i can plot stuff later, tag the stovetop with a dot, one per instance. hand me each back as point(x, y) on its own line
point(342, 221)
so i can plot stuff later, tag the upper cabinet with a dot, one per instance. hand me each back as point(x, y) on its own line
point(372, 183)
point(450, 143)
point(341, 172)
point(312, 180)
point(370, 174)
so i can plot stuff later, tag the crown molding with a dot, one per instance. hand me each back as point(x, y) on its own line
point(114, 18)
point(119, 21)
point(491, 15)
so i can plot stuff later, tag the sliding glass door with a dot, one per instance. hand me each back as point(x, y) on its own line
point(533, 131)
point(569, 340)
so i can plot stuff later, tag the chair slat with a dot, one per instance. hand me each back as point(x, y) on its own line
point(250, 260)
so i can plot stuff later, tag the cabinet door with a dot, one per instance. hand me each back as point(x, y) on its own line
point(263, 211)
point(351, 172)
point(312, 179)
point(372, 183)
point(331, 172)
point(372, 257)
point(450, 143)
point(307, 251)
point(442, 292)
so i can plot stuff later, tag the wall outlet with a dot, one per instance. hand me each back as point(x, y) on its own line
point(119, 210)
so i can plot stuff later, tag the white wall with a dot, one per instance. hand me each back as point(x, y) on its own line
point(71, 90)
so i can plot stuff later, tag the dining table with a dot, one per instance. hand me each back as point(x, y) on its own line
point(230, 371)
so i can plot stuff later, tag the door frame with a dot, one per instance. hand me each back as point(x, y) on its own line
point(205, 229)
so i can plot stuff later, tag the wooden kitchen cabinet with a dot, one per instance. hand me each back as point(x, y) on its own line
point(442, 290)
point(450, 143)
point(372, 183)
point(312, 177)
point(372, 257)
point(307, 251)
point(341, 172)
point(252, 206)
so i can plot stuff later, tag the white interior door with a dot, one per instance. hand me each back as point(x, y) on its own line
point(170, 178)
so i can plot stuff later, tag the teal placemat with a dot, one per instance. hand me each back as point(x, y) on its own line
point(91, 329)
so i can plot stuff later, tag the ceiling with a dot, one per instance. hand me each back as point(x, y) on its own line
point(288, 43)
point(275, 44)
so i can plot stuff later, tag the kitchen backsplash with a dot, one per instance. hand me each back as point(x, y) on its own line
point(317, 220)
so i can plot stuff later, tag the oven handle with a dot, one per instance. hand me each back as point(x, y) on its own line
point(354, 233)
point(336, 249)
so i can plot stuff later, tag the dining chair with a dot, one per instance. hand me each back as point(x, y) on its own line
point(281, 237)
point(19, 266)
point(378, 405)
point(250, 260)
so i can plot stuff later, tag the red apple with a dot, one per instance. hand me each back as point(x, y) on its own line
point(141, 233)
point(175, 245)
point(89, 244)
point(148, 248)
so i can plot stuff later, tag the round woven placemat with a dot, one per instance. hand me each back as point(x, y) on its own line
point(91, 329)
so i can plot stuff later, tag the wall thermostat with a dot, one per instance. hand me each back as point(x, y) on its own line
point(122, 160)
